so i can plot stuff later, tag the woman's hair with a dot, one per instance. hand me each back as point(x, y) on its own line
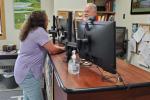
point(35, 19)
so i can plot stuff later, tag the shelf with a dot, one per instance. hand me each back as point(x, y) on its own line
point(144, 24)
point(106, 12)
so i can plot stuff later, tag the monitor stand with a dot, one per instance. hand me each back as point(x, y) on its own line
point(69, 46)
point(84, 62)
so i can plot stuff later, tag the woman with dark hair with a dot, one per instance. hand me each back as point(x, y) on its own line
point(30, 60)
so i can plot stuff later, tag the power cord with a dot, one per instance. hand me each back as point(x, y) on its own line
point(121, 79)
point(107, 77)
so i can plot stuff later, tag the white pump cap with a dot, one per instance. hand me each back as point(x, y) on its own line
point(74, 54)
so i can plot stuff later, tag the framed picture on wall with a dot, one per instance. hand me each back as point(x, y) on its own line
point(22, 8)
point(89, 1)
point(140, 6)
point(2, 21)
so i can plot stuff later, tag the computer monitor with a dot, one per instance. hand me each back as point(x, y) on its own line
point(65, 28)
point(96, 43)
point(67, 37)
point(62, 24)
point(121, 41)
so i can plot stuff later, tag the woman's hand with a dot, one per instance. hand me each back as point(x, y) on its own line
point(60, 47)
point(53, 49)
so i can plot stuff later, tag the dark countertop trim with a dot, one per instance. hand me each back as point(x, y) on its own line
point(9, 55)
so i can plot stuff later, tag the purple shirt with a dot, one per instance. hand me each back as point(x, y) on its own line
point(32, 55)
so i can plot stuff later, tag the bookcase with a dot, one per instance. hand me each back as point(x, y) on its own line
point(105, 8)
point(77, 15)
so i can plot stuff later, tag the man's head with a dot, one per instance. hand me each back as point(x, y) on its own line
point(90, 10)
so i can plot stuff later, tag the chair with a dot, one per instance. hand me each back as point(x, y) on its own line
point(121, 41)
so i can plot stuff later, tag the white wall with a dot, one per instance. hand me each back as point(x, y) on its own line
point(51, 7)
point(48, 6)
point(70, 5)
point(11, 33)
point(123, 7)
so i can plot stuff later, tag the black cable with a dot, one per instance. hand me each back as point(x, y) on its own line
point(121, 79)
point(99, 70)
point(106, 77)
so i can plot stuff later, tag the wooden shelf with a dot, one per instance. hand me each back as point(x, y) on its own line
point(144, 24)
point(106, 12)
point(62, 13)
point(105, 9)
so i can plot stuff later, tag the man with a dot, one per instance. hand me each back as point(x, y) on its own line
point(90, 10)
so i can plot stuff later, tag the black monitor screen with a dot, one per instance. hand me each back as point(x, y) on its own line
point(97, 43)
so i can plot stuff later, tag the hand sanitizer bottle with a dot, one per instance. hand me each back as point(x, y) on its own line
point(73, 65)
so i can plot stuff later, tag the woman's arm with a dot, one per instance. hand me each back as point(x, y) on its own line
point(53, 49)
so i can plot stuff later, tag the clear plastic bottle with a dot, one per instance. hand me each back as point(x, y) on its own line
point(73, 64)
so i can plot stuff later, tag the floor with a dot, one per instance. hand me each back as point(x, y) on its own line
point(9, 94)
point(5, 93)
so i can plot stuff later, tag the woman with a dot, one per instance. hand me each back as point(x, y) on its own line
point(30, 61)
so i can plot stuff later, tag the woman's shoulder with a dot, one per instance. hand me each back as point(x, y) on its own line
point(40, 29)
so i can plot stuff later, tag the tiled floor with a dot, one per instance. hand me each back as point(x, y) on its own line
point(9, 94)
point(3, 87)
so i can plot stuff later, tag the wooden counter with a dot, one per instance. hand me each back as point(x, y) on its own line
point(89, 84)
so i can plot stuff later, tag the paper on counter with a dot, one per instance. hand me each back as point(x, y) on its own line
point(147, 60)
point(142, 47)
point(146, 37)
point(132, 45)
point(139, 34)
point(145, 52)
point(145, 43)
point(131, 48)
